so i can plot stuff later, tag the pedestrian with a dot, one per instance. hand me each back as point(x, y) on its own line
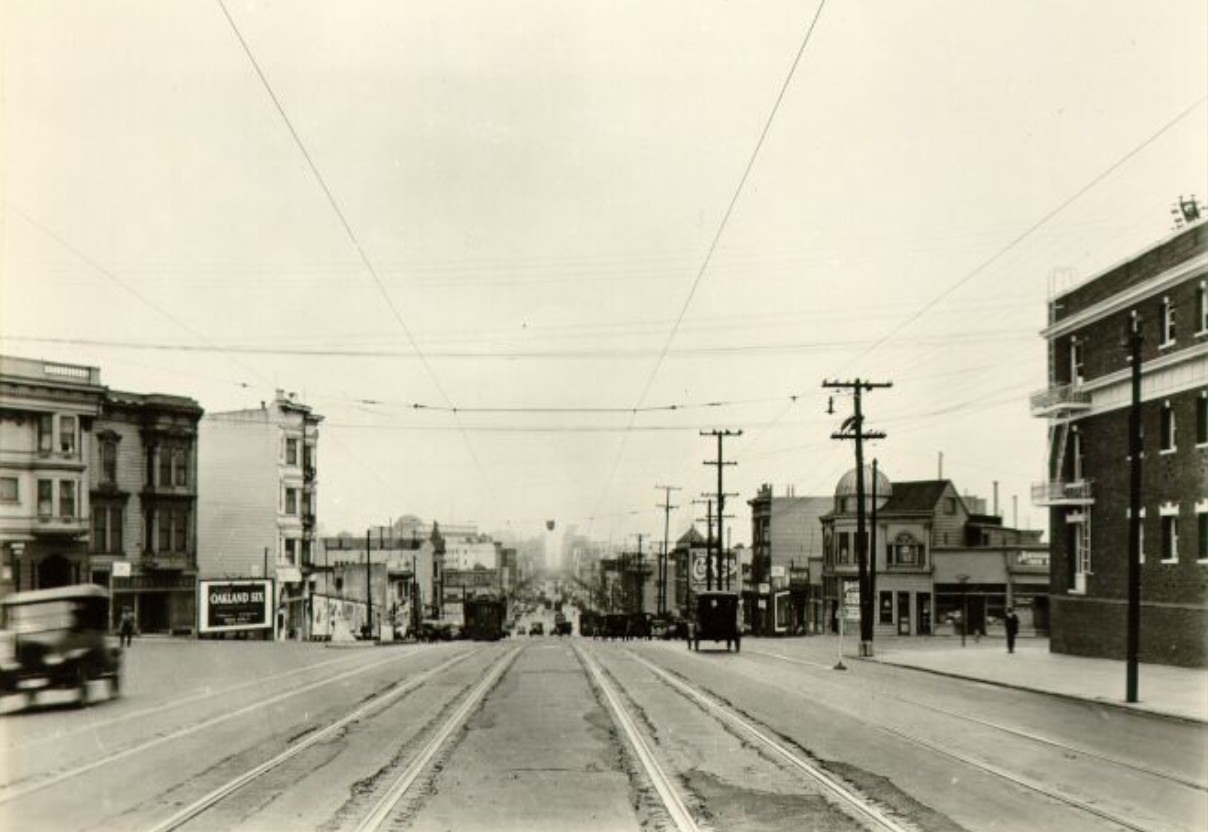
point(1012, 629)
point(126, 629)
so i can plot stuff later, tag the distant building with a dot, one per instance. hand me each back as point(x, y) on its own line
point(1164, 290)
point(257, 501)
point(938, 564)
point(786, 534)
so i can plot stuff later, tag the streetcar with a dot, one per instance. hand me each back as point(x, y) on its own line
point(57, 640)
point(717, 619)
point(484, 619)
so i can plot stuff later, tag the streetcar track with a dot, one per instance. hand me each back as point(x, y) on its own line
point(863, 808)
point(206, 693)
point(366, 708)
point(1017, 732)
point(668, 792)
point(13, 791)
point(712, 701)
point(385, 806)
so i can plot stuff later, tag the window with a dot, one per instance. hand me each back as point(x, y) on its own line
point(180, 466)
point(1201, 419)
point(67, 434)
point(67, 498)
point(180, 531)
point(291, 551)
point(1140, 532)
point(1077, 455)
point(109, 461)
point(9, 492)
point(906, 550)
point(46, 431)
point(1170, 534)
point(1079, 549)
point(291, 451)
point(291, 501)
point(46, 498)
point(949, 505)
point(886, 608)
point(1075, 361)
point(844, 547)
point(1168, 437)
point(107, 529)
point(165, 467)
point(1166, 322)
point(1201, 522)
point(1201, 307)
point(163, 540)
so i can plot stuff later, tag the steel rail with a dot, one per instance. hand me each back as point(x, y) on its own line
point(377, 703)
point(377, 816)
point(985, 767)
point(669, 794)
point(10, 793)
point(848, 797)
point(1017, 732)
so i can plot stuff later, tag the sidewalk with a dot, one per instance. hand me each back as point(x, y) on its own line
point(1170, 691)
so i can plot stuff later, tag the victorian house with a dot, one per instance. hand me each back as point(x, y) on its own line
point(47, 411)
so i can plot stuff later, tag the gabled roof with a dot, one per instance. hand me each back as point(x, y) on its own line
point(691, 538)
point(921, 495)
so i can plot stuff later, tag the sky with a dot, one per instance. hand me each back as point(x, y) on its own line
point(520, 255)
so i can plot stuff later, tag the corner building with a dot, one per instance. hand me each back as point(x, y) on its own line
point(1164, 291)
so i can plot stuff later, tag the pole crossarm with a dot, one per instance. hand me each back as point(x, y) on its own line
point(853, 429)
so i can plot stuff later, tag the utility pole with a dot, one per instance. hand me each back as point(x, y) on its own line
point(1133, 341)
point(368, 590)
point(662, 591)
point(641, 578)
point(853, 428)
point(722, 561)
point(872, 544)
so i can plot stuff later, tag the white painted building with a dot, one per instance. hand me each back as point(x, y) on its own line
point(257, 501)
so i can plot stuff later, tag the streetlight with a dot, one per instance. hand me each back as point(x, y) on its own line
point(964, 581)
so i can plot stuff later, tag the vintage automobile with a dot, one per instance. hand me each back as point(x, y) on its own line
point(58, 640)
point(717, 619)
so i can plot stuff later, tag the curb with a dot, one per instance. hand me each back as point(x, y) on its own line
point(1073, 697)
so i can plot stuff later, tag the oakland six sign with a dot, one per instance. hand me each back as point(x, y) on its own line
point(224, 606)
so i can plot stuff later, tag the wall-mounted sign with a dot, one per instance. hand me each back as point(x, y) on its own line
point(225, 606)
point(121, 569)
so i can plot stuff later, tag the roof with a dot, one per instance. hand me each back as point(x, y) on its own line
point(921, 495)
point(59, 593)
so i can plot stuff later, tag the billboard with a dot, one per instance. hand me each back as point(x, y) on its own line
point(229, 605)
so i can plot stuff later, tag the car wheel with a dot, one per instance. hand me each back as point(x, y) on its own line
point(82, 686)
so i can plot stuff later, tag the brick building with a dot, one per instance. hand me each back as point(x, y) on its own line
point(1087, 402)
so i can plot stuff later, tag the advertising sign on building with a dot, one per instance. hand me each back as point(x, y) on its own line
point(700, 571)
point(230, 605)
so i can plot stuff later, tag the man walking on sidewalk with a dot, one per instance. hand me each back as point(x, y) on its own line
point(1012, 629)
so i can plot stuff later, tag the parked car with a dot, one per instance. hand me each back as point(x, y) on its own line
point(58, 639)
point(537, 629)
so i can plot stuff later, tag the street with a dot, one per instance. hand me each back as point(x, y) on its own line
point(574, 733)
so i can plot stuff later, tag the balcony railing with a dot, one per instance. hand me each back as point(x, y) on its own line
point(1062, 493)
point(1060, 398)
point(54, 524)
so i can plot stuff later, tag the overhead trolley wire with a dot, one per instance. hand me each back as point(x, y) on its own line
point(721, 227)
